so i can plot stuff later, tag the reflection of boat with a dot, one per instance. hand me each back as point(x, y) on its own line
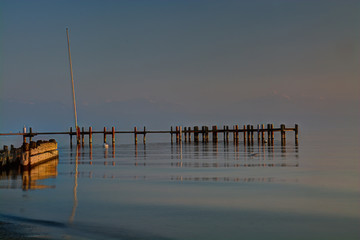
point(42, 171)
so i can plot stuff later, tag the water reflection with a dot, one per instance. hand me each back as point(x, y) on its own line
point(75, 200)
point(29, 179)
point(157, 161)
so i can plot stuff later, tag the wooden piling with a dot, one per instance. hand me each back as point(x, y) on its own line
point(82, 136)
point(206, 134)
point(30, 138)
point(171, 134)
point(177, 134)
point(227, 134)
point(252, 134)
point(196, 134)
point(215, 134)
point(237, 133)
point(90, 135)
point(78, 135)
point(71, 136)
point(262, 133)
point(245, 135)
point(258, 133)
point(104, 134)
point(189, 135)
point(203, 133)
point(296, 133)
point(144, 136)
point(185, 134)
point(248, 134)
point(180, 134)
point(135, 135)
point(24, 137)
point(283, 136)
point(113, 135)
point(269, 133)
point(272, 133)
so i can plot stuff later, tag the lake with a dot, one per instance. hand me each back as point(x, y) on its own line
point(188, 191)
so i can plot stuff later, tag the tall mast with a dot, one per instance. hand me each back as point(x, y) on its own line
point(72, 78)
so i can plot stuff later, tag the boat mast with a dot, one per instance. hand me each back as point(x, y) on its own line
point(72, 79)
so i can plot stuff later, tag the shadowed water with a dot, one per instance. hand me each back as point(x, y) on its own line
point(189, 191)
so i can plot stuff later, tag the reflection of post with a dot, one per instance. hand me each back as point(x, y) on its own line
point(215, 148)
point(105, 152)
point(90, 152)
point(136, 151)
point(113, 150)
point(283, 150)
point(180, 148)
point(75, 187)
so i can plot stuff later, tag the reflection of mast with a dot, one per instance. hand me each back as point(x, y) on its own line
point(75, 185)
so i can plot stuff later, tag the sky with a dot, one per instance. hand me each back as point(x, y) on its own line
point(165, 63)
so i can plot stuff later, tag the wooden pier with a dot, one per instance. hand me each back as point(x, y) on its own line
point(181, 134)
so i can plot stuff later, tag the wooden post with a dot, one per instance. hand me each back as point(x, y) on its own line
point(171, 134)
point(252, 134)
point(203, 133)
point(215, 134)
point(78, 135)
point(236, 133)
point(90, 135)
point(224, 136)
point(272, 133)
point(70, 136)
point(135, 135)
point(24, 137)
point(258, 133)
point(113, 135)
point(144, 137)
point(196, 134)
point(248, 128)
point(206, 134)
point(245, 135)
point(104, 134)
point(185, 134)
point(296, 133)
point(30, 139)
point(82, 136)
point(180, 134)
point(283, 138)
point(262, 133)
point(177, 134)
point(189, 135)
point(227, 134)
point(269, 133)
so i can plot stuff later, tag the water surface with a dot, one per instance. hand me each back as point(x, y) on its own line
point(189, 191)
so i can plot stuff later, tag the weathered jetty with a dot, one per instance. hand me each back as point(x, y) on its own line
point(262, 134)
point(29, 154)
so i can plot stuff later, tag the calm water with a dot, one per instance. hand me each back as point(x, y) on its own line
point(188, 191)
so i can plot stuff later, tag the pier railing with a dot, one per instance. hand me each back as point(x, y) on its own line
point(181, 134)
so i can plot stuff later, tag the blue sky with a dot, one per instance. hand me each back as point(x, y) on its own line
point(161, 63)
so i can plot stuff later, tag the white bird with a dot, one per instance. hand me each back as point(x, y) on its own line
point(106, 145)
